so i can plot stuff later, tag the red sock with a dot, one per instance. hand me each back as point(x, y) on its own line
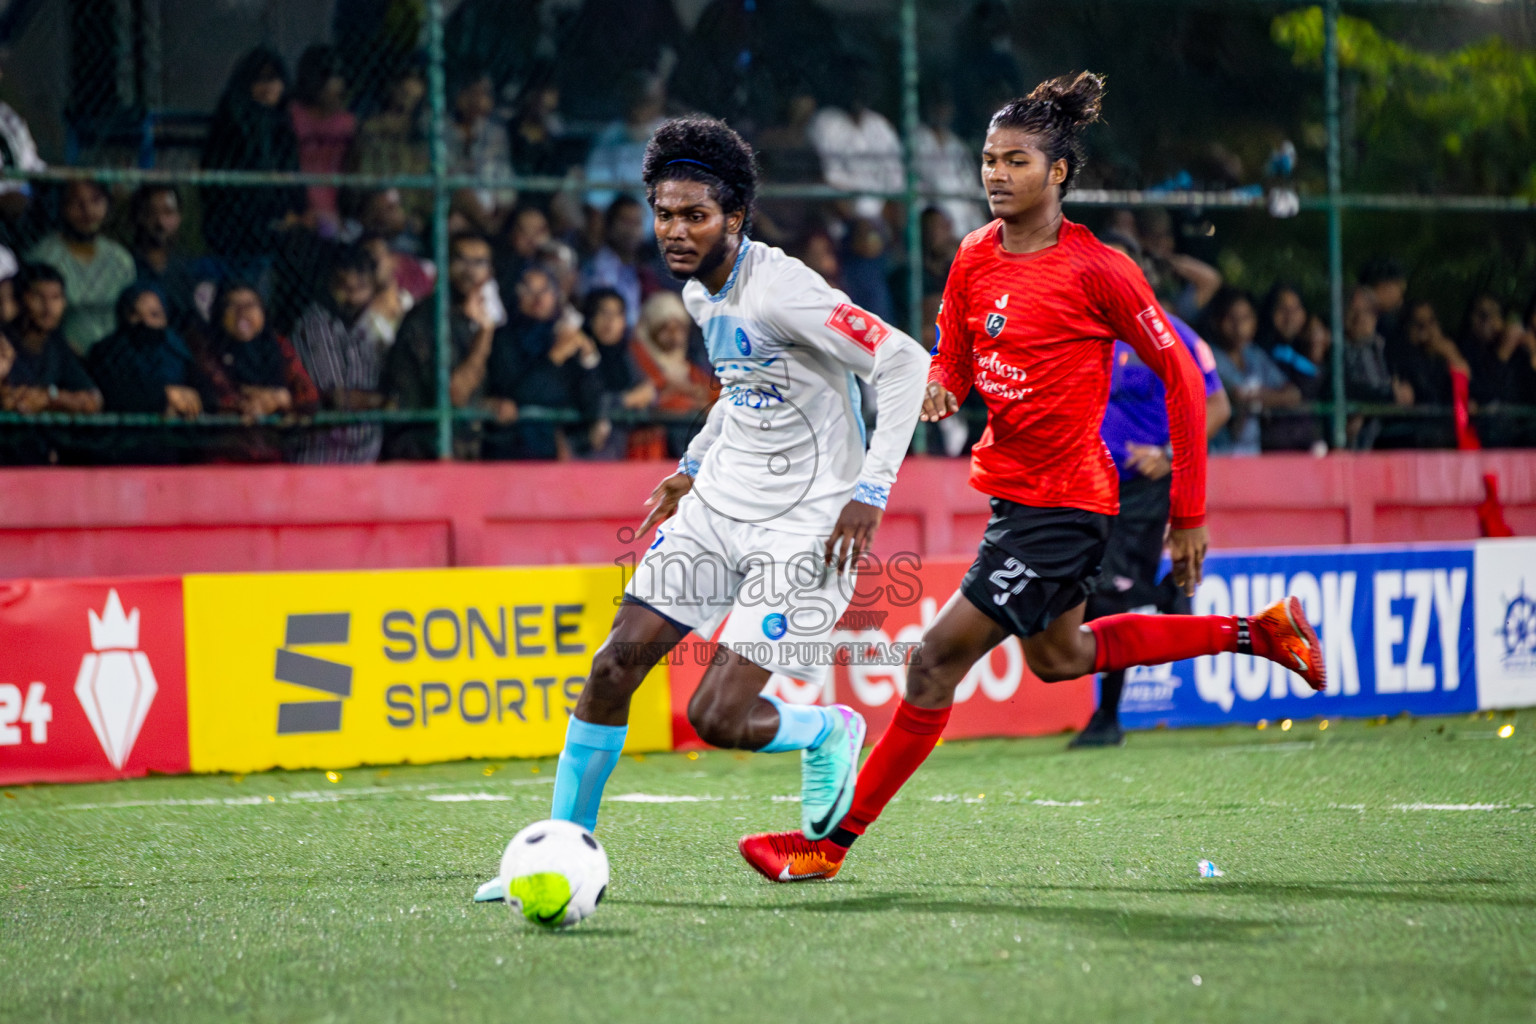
point(907, 742)
point(1126, 640)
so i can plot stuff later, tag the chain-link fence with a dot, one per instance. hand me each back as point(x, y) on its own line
point(395, 229)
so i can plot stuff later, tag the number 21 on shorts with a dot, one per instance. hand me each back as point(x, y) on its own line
point(1003, 580)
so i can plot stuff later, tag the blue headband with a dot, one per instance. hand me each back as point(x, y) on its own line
point(696, 163)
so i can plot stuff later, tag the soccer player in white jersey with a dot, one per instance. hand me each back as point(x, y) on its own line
point(776, 499)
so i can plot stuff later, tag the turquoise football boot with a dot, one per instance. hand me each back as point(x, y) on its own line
point(827, 774)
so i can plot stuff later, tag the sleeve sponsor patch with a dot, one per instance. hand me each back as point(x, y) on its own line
point(1204, 357)
point(1157, 330)
point(863, 329)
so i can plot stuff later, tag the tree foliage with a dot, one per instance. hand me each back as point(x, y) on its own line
point(1459, 121)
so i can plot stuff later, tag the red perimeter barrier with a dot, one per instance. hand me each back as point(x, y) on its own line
point(125, 711)
point(58, 522)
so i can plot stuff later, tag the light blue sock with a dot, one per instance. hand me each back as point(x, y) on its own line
point(590, 753)
point(801, 726)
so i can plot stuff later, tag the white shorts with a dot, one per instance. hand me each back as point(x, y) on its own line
point(782, 599)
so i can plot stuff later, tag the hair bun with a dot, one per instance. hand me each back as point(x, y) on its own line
point(1079, 98)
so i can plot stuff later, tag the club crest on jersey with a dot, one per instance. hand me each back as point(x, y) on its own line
point(743, 344)
point(995, 324)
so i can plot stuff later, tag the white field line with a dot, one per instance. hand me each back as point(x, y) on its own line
point(1063, 803)
point(952, 798)
point(432, 792)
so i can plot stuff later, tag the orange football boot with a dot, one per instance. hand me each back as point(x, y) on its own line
point(1282, 633)
point(790, 857)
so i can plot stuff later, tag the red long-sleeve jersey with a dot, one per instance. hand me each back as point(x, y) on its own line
point(1034, 333)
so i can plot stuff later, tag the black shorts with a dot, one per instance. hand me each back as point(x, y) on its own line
point(1035, 564)
point(1130, 578)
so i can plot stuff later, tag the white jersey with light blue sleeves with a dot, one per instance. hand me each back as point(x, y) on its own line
point(784, 447)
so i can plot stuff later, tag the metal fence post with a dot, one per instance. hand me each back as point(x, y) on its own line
point(909, 128)
point(437, 95)
point(1335, 213)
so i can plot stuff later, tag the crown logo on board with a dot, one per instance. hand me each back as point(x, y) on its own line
point(112, 630)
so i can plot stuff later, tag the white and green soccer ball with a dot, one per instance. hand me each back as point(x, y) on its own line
point(555, 873)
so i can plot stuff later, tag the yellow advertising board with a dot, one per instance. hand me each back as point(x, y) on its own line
point(332, 669)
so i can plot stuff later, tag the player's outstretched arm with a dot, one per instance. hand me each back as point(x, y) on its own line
point(1186, 549)
point(853, 534)
point(1131, 311)
point(806, 311)
point(938, 403)
point(899, 375)
point(663, 500)
point(703, 440)
point(953, 368)
point(900, 378)
point(1184, 389)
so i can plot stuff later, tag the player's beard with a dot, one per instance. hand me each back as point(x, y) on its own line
point(709, 262)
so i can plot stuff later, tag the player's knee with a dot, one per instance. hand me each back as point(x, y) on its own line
point(1056, 672)
point(716, 725)
point(933, 674)
point(1057, 665)
point(612, 679)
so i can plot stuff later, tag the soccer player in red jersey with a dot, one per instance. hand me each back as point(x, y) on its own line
point(1031, 310)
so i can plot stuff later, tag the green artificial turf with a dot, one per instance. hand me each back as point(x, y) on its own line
point(1067, 892)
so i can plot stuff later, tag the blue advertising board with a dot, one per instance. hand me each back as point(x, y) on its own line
point(1419, 629)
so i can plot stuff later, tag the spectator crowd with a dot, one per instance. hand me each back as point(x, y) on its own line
point(276, 302)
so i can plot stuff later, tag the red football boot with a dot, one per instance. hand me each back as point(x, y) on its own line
point(790, 857)
point(1282, 633)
